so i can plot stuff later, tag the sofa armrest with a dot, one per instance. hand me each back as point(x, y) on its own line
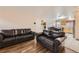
point(38, 35)
point(60, 39)
point(33, 33)
point(1, 37)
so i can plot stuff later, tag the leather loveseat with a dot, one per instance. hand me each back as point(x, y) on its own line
point(12, 36)
point(49, 40)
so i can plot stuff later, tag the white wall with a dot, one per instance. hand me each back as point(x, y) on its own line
point(24, 17)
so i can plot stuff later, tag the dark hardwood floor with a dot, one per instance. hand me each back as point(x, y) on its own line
point(29, 47)
point(24, 47)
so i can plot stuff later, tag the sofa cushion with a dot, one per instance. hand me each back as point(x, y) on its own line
point(57, 34)
point(9, 39)
point(8, 33)
point(1, 37)
point(46, 33)
point(47, 42)
point(22, 31)
point(24, 36)
point(27, 31)
point(18, 31)
point(55, 28)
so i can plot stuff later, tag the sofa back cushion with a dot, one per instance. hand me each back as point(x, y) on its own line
point(1, 37)
point(8, 33)
point(27, 31)
point(46, 33)
point(18, 32)
point(57, 34)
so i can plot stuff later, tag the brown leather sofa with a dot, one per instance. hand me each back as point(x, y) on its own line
point(14, 36)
